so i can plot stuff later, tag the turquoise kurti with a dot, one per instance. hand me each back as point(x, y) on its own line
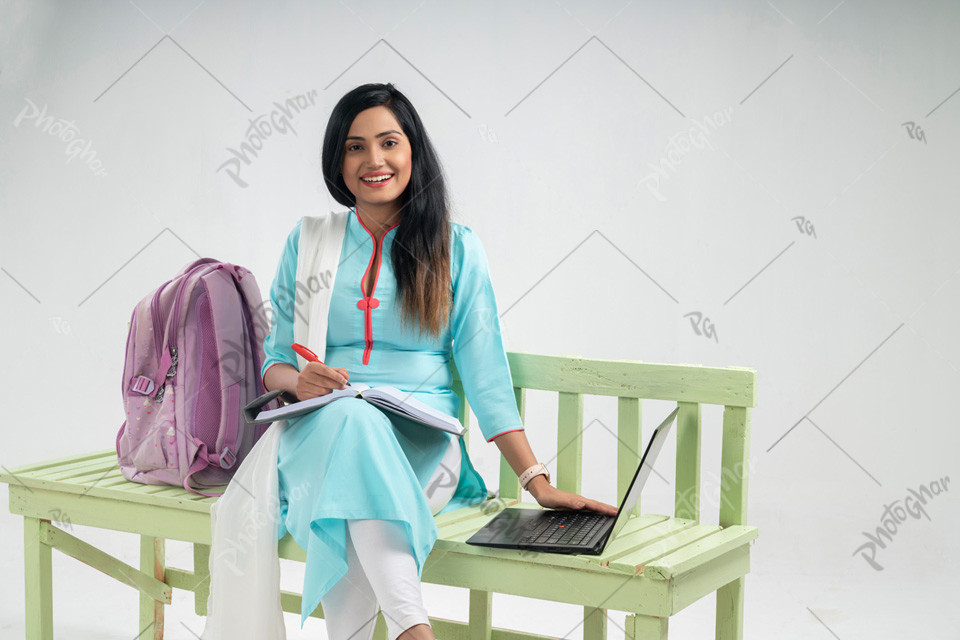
point(352, 460)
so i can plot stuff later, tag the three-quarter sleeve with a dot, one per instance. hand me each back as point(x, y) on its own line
point(276, 346)
point(477, 345)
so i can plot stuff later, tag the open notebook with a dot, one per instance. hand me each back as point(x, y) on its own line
point(388, 398)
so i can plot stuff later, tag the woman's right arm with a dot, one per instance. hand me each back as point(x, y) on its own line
point(282, 376)
point(316, 379)
point(279, 369)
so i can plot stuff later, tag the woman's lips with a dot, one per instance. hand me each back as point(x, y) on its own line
point(377, 185)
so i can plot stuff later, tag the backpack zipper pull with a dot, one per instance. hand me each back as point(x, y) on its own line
point(173, 362)
point(172, 371)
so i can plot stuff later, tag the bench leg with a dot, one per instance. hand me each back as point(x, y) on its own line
point(594, 623)
point(152, 559)
point(481, 614)
point(380, 627)
point(730, 610)
point(201, 569)
point(38, 569)
point(646, 628)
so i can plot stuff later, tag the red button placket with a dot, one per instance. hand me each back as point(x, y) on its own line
point(368, 303)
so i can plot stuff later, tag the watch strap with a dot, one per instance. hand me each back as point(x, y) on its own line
point(532, 472)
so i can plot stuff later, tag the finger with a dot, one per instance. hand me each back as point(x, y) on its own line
point(603, 507)
point(313, 386)
point(339, 375)
point(595, 505)
point(312, 391)
point(323, 375)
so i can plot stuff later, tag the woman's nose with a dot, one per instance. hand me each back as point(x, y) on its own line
point(376, 157)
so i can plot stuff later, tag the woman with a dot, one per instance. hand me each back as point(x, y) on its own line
point(359, 487)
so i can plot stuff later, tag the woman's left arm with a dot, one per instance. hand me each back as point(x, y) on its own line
point(485, 371)
point(516, 449)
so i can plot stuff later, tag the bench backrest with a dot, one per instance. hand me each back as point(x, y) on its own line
point(690, 386)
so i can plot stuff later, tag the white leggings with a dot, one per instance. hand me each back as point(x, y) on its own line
point(381, 568)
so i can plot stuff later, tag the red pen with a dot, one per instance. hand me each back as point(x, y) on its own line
point(305, 353)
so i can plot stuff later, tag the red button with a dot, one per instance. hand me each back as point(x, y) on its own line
point(363, 304)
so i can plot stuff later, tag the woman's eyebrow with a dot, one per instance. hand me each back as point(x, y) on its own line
point(379, 135)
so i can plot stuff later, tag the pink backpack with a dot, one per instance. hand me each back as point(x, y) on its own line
point(194, 353)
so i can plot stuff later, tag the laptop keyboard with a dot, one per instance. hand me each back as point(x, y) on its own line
point(573, 529)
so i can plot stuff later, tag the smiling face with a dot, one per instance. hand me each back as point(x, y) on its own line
point(377, 161)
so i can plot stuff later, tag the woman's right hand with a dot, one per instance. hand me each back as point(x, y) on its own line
point(317, 379)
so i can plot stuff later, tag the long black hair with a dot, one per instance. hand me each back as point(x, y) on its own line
point(421, 246)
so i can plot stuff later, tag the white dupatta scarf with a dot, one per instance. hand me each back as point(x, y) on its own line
point(244, 600)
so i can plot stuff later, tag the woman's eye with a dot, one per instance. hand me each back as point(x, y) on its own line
point(393, 143)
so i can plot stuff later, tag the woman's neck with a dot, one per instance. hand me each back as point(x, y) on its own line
point(378, 220)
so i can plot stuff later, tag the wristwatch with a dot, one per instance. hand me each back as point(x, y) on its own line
point(533, 471)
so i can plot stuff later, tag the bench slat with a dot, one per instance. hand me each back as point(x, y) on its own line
point(444, 547)
point(48, 470)
point(85, 476)
point(687, 496)
point(701, 551)
point(468, 512)
point(120, 493)
point(155, 489)
point(39, 466)
point(113, 481)
point(165, 491)
point(628, 542)
point(636, 560)
point(629, 446)
point(465, 527)
point(88, 484)
point(452, 540)
point(733, 386)
point(569, 441)
point(734, 466)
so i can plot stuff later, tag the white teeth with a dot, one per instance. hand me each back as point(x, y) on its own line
point(377, 178)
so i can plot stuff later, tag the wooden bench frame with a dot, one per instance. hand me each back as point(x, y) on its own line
point(657, 565)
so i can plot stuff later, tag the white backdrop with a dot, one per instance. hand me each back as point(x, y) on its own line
point(767, 184)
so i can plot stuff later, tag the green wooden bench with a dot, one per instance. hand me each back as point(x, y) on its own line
point(656, 566)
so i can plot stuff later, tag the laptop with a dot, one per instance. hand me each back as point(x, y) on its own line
point(569, 530)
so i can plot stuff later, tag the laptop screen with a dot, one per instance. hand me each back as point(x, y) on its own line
point(642, 473)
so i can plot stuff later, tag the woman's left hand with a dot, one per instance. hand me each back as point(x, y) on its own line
point(550, 497)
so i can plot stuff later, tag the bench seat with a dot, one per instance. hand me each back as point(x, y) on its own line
point(665, 562)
